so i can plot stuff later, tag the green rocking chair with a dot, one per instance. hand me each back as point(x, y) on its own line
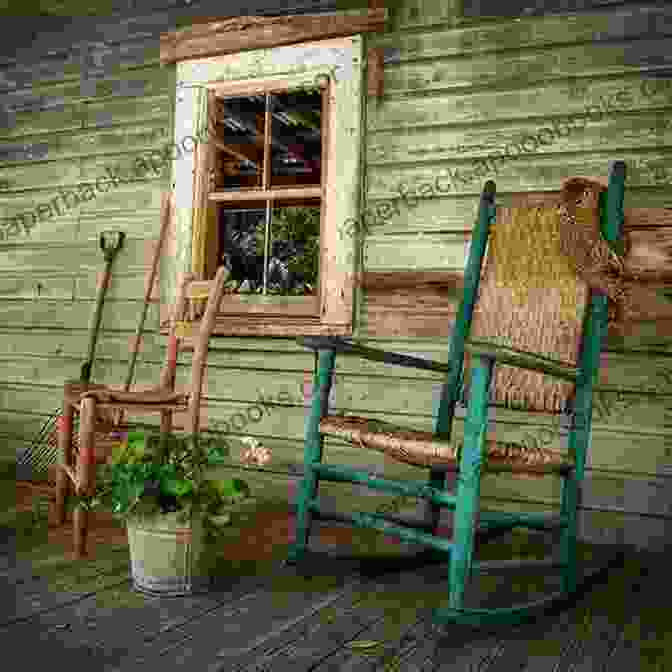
point(537, 305)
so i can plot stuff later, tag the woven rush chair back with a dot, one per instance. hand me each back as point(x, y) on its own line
point(531, 296)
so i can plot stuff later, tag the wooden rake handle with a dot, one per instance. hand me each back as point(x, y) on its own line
point(166, 211)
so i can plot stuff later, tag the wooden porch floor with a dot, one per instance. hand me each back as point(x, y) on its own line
point(368, 612)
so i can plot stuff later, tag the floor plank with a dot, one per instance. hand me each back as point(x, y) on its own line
point(401, 633)
point(312, 644)
point(309, 638)
point(374, 644)
point(235, 628)
point(242, 628)
point(34, 595)
point(348, 614)
point(646, 629)
point(107, 635)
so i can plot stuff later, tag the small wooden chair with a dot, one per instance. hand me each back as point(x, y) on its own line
point(527, 307)
point(97, 402)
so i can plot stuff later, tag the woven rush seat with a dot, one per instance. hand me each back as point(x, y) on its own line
point(423, 449)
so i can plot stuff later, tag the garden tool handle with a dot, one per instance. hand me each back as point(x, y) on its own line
point(166, 211)
point(110, 252)
point(151, 281)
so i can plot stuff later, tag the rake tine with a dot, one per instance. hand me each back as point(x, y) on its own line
point(35, 448)
point(45, 428)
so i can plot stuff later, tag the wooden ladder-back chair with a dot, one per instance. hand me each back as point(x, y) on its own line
point(529, 306)
point(104, 402)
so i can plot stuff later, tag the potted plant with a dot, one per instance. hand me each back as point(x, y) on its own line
point(172, 510)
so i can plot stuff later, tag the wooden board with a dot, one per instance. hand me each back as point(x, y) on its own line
point(455, 212)
point(66, 315)
point(619, 23)
point(107, 634)
point(44, 342)
point(643, 130)
point(527, 173)
point(244, 33)
point(144, 81)
point(136, 110)
point(464, 105)
point(454, 91)
point(37, 285)
point(521, 67)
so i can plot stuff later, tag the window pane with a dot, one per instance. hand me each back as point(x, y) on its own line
point(296, 143)
point(295, 249)
point(242, 253)
point(240, 129)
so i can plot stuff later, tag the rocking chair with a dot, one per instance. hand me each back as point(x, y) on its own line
point(96, 403)
point(538, 306)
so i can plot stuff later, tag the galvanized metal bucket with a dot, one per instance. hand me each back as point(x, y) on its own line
point(168, 557)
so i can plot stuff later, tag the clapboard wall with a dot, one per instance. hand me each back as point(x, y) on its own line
point(80, 96)
point(459, 89)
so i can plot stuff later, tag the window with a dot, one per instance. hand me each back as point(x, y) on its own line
point(267, 190)
point(267, 185)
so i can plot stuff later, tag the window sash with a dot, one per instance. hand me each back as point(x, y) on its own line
point(307, 306)
point(337, 64)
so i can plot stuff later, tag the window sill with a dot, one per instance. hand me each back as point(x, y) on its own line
point(270, 307)
point(241, 325)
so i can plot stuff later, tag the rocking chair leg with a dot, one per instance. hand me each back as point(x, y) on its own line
point(568, 541)
point(469, 483)
point(465, 521)
point(437, 479)
point(307, 489)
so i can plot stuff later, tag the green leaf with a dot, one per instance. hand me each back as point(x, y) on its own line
point(137, 444)
point(167, 471)
point(119, 453)
point(232, 487)
point(363, 644)
point(221, 520)
point(179, 487)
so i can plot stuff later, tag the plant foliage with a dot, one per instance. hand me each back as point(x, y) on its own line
point(149, 474)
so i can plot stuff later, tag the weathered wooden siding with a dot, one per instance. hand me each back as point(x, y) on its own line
point(458, 90)
point(87, 96)
point(454, 91)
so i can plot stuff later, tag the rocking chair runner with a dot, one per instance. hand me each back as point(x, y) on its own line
point(532, 308)
point(100, 401)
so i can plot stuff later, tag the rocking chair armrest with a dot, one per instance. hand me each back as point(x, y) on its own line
point(338, 344)
point(524, 360)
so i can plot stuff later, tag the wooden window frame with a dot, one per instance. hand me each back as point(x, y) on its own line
point(337, 66)
point(236, 34)
point(204, 262)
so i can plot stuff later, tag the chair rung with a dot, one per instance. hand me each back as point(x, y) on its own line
point(378, 522)
point(342, 474)
point(337, 516)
